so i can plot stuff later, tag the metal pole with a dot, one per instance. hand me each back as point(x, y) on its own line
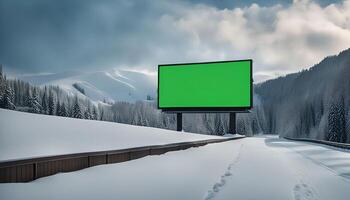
point(232, 123)
point(179, 121)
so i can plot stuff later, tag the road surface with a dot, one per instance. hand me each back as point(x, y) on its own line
point(247, 169)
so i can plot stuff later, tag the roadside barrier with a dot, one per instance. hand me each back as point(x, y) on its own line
point(25, 170)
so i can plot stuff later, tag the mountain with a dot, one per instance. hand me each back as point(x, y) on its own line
point(312, 103)
point(112, 85)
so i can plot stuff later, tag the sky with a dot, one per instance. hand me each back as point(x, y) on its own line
point(44, 36)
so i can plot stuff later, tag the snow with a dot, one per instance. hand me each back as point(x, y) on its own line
point(272, 168)
point(26, 135)
point(102, 85)
point(251, 168)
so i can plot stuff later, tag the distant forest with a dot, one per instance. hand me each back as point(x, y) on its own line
point(313, 103)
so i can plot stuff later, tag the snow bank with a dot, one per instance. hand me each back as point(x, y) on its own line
point(25, 135)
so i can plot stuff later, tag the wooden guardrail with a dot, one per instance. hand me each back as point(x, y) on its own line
point(334, 144)
point(25, 170)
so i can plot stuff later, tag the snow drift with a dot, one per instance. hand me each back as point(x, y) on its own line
point(25, 135)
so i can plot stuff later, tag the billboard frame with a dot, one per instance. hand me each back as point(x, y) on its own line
point(207, 109)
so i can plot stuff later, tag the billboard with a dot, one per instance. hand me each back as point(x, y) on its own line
point(205, 87)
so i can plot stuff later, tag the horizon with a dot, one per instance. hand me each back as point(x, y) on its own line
point(153, 73)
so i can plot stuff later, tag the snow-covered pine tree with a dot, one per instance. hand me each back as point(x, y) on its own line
point(33, 102)
point(2, 84)
point(241, 128)
point(143, 119)
point(348, 127)
point(336, 123)
point(219, 125)
point(58, 108)
point(44, 102)
point(7, 98)
point(28, 96)
point(342, 121)
point(76, 109)
point(63, 110)
point(51, 104)
point(87, 114)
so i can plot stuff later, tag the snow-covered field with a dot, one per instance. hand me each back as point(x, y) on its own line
point(25, 135)
point(249, 169)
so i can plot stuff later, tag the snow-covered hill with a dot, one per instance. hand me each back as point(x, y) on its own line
point(111, 85)
point(24, 135)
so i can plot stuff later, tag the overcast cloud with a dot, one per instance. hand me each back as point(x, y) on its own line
point(53, 36)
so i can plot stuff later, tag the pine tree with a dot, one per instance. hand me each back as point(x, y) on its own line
point(51, 104)
point(58, 108)
point(336, 123)
point(8, 98)
point(28, 96)
point(144, 120)
point(2, 84)
point(241, 128)
point(87, 114)
point(33, 102)
point(348, 127)
point(76, 109)
point(44, 102)
point(219, 125)
point(63, 110)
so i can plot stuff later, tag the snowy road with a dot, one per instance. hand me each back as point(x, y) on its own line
point(247, 169)
point(270, 168)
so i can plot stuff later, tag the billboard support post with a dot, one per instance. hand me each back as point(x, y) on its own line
point(179, 121)
point(232, 123)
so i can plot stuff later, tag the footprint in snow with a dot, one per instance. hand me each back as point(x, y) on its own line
point(303, 192)
point(221, 183)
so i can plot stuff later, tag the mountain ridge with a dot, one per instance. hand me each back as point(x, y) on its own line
point(111, 85)
point(302, 104)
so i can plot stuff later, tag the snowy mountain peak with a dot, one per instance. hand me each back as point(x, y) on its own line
point(111, 85)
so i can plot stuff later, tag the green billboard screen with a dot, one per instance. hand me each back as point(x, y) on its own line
point(211, 86)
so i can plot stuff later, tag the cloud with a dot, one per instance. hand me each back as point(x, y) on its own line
point(280, 39)
point(42, 36)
